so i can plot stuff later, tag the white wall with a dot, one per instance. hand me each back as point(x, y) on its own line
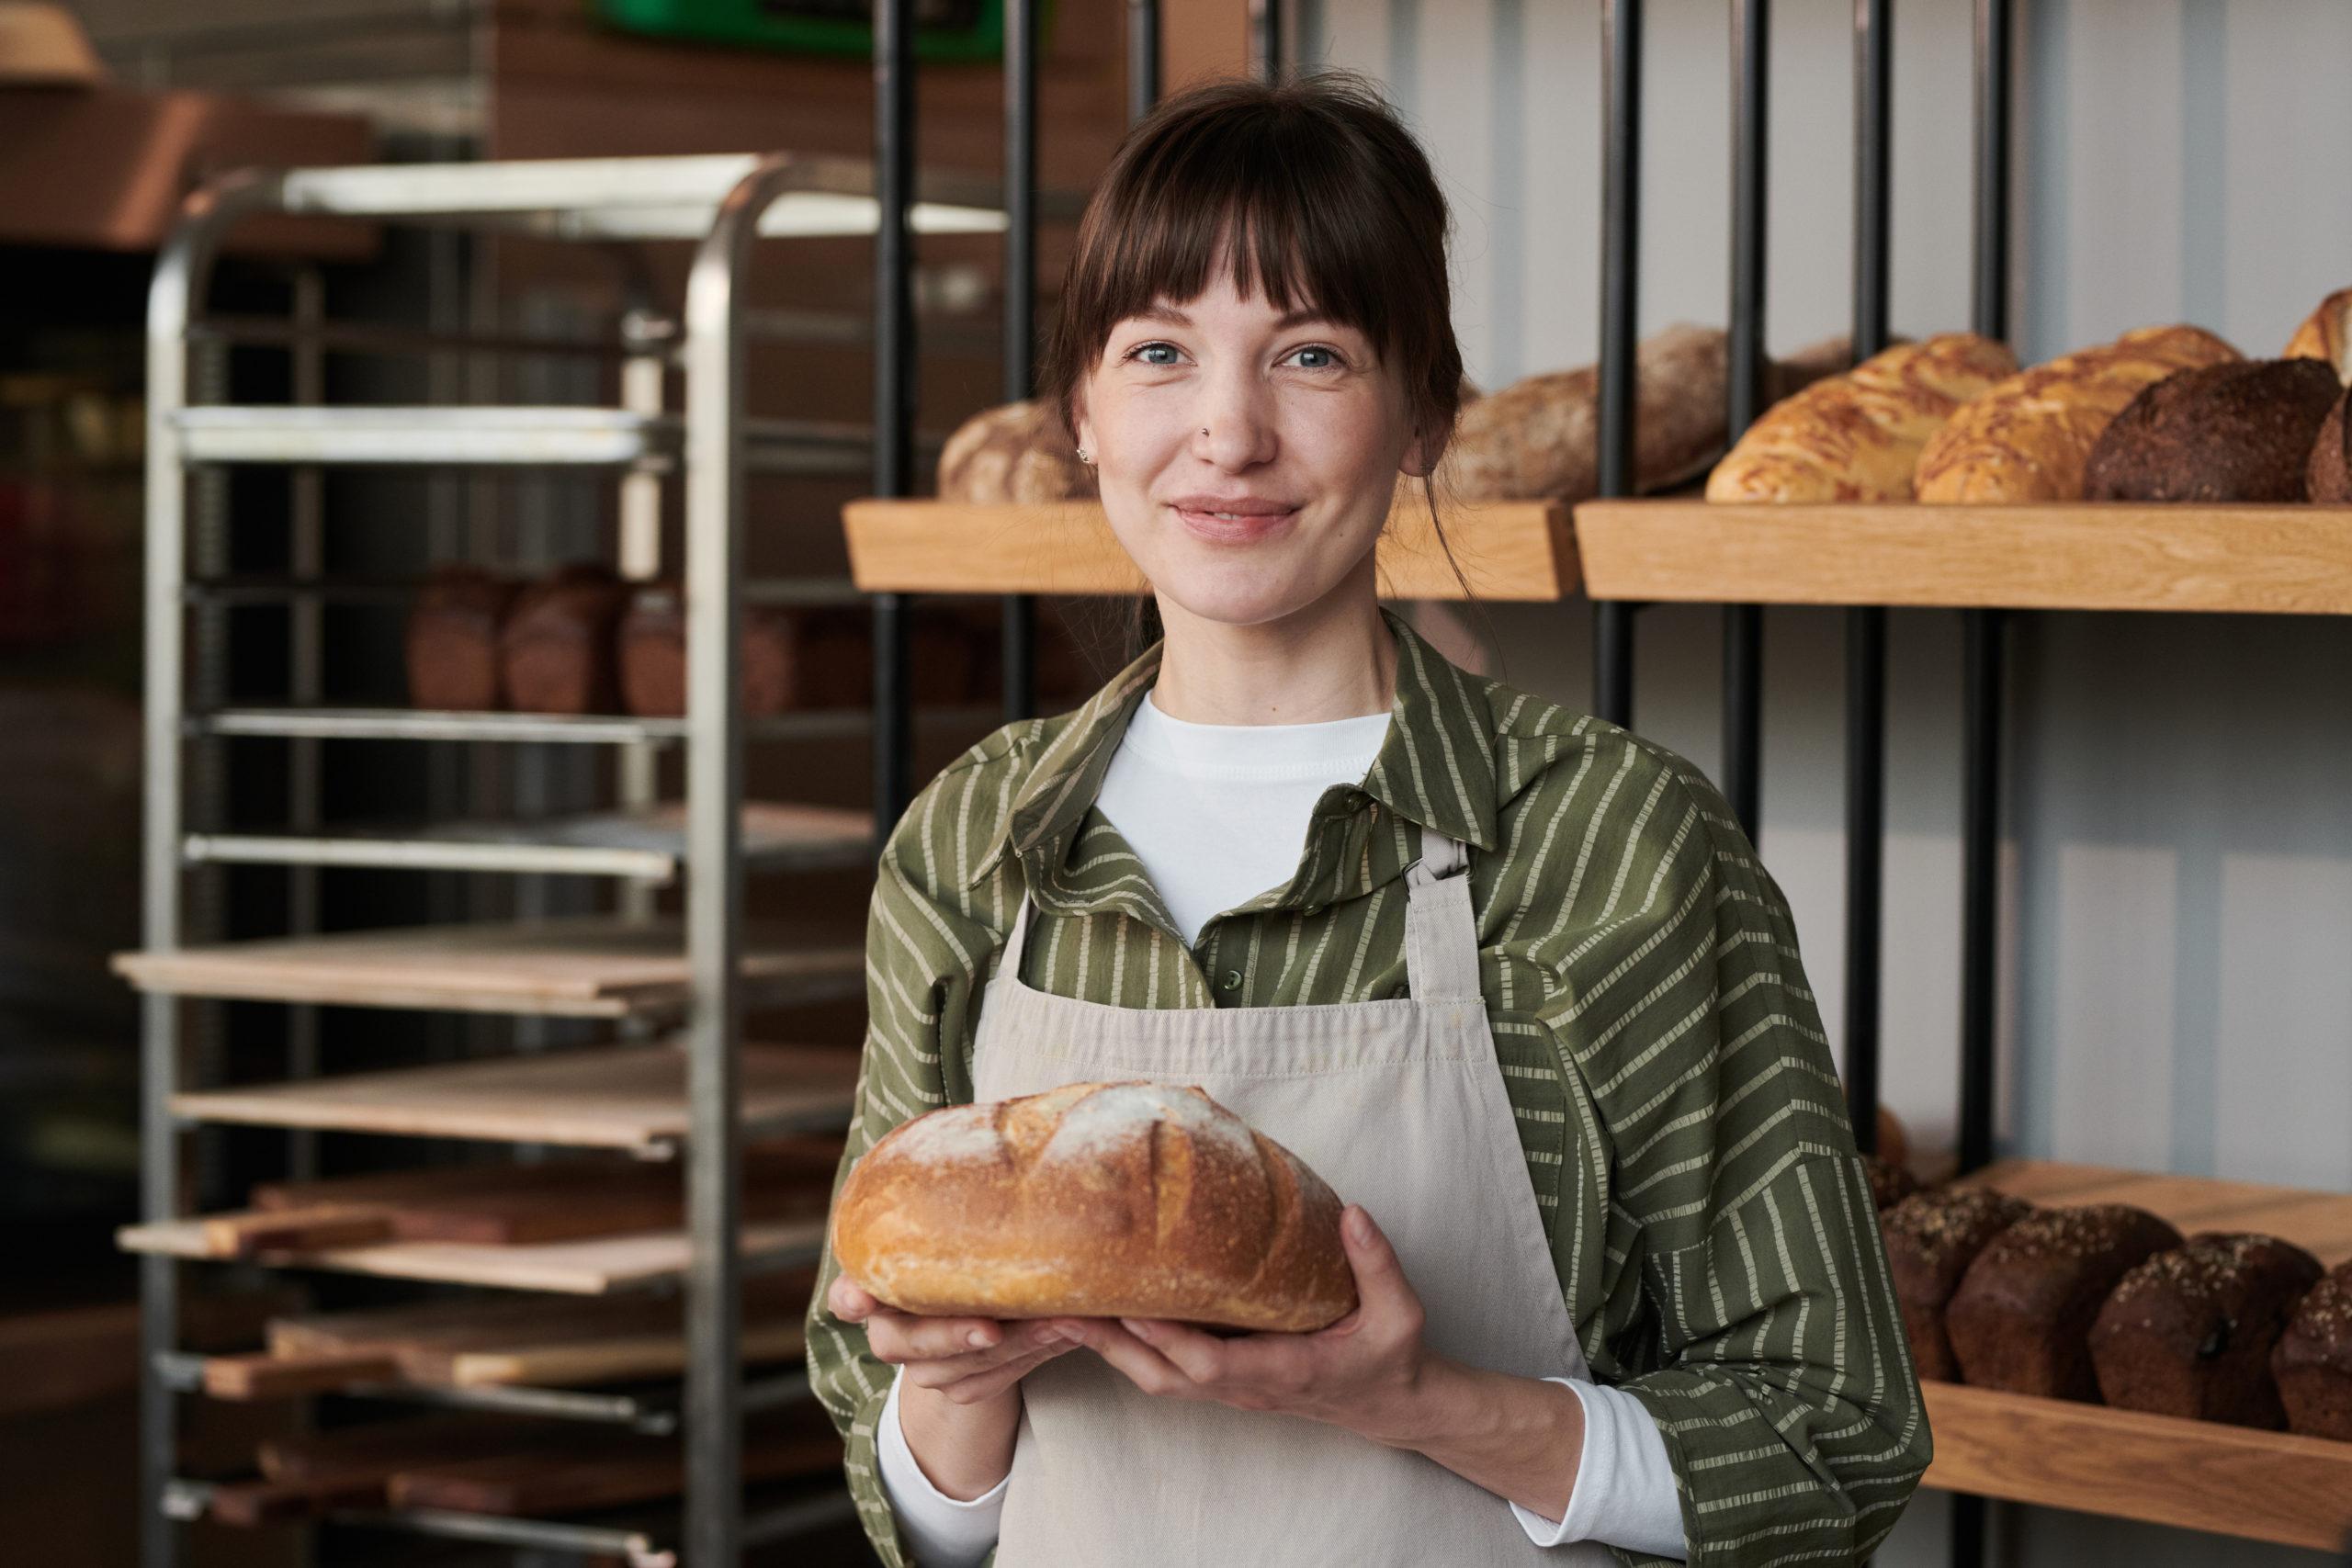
point(2178, 931)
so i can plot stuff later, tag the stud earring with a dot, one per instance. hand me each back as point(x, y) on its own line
point(1082, 457)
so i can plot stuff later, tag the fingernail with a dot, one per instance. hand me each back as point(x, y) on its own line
point(977, 1338)
point(1045, 1334)
point(1136, 1326)
point(1359, 1228)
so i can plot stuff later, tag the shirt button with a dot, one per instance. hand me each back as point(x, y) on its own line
point(1313, 909)
point(1233, 980)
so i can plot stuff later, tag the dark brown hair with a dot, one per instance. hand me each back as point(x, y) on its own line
point(1321, 197)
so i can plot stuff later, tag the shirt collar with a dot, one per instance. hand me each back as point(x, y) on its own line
point(1436, 766)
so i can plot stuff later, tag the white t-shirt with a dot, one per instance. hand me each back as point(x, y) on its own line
point(1219, 814)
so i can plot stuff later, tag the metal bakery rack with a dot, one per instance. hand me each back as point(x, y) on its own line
point(696, 1101)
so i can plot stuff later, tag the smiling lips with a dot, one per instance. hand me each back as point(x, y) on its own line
point(1239, 519)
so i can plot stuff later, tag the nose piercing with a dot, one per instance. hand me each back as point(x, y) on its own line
point(1205, 430)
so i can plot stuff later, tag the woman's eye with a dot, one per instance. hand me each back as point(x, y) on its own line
point(1329, 357)
point(1148, 354)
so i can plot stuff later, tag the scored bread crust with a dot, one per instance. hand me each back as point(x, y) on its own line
point(2028, 438)
point(2326, 333)
point(1014, 453)
point(1858, 436)
point(1094, 1200)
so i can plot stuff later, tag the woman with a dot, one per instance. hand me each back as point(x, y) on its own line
point(1622, 1296)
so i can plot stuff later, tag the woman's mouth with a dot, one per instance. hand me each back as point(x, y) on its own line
point(1223, 527)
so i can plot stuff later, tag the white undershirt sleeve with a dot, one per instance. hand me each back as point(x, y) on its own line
point(941, 1531)
point(1625, 1487)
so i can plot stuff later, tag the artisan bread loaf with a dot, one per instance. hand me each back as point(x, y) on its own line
point(1858, 436)
point(1016, 452)
point(556, 652)
point(2189, 1332)
point(2022, 1319)
point(2238, 431)
point(2326, 333)
point(2327, 477)
point(1540, 437)
point(2313, 1361)
point(1094, 1200)
point(451, 641)
point(1890, 1183)
point(653, 655)
point(1931, 1238)
point(2028, 437)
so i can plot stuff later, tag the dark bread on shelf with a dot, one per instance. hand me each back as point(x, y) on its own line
point(1931, 1238)
point(1890, 1183)
point(2237, 431)
point(556, 649)
point(653, 655)
point(451, 641)
point(2022, 1318)
point(2189, 1332)
point(2327, 476)
point(2313, 1362)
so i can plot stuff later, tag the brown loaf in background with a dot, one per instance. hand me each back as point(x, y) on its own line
point(2328, 475)
point(2022, 1319)
point(2313, 1359)
point(1094, 1200)
point(2189, 1332)
point(2028, 437)
point(1017, 452)
point(1858, 436)
point(556, 652)
point(653, 655)
point(1931, 1238)
point(451, 641)
point(2239, 430)
point(1540, 437)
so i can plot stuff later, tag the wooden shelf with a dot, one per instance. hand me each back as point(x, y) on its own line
point(631, 1097)
point(1513, 550)
point(639, 1261)
point(2236, 1480)
point(2274, 559)
point(600, 966)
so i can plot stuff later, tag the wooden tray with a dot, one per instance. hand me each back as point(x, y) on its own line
point(2273, 1487)
point(2271, 560)
point(1508, 549)
point(598, 966)
point(628, 1097)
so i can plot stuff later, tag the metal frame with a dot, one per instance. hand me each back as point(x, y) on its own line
point(725, 203)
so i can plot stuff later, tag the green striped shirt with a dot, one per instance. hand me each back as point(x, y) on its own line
point(1675, 1097)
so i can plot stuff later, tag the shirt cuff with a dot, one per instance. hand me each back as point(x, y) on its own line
point(1623, 1494)
point(941, 1531)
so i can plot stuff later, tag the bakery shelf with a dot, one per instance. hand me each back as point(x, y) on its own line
point(1508, 550)
point(631, 1097)
point(602, 729)
point(636, 1261)
point(2267, 559)
point(595, 966)
point(264, 589)
point(648, 846)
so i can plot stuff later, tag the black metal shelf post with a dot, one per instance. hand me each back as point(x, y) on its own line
point(1019, 307)
point(1621, 35)
point(1751, 39)
point(894, 390)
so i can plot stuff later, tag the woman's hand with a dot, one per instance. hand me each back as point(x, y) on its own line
point(1364, 1372)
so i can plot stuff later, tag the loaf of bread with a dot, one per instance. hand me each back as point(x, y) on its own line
point(2313, 1359)
point(2189, 1332)
point(1094, 1200)
point(653, 655)
point(1017, 452)
point(1931, 1238)
point(556, 652)
point(2238, 431)
point(2326, 333)
point(451, 641)
point(1890, 1183)
point(2028, 437)
point(2327, 477)
point(1540, 437)
point(2022, 1319)
point(1858, 436)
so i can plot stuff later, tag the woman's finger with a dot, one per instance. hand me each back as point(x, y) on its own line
point(1019, 1340)
point(996, 1380)
point(904, 1337)
point(849, 1300)
point(1145, 1367)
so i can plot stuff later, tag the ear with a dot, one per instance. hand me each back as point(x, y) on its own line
point(1421, 455)
point(1082, 423)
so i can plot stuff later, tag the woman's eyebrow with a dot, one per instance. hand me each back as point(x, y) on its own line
point(1177, 318)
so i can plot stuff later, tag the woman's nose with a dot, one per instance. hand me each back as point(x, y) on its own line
point(1233, 424)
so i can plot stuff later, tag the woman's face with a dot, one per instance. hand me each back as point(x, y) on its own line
point(1247, 458)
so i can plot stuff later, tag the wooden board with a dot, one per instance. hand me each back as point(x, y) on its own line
point(630, 1097)
point(2268, 560)
point(2204, 1475)
point(596, 966)
point(2320, 1222)
point(570, 1267)
point(1515, 550)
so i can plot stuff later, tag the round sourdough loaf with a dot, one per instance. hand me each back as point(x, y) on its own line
point(1094, 1200)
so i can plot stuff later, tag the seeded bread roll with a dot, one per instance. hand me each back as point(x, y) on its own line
point(2022, 1319)
point(2326, 333)
point(1858, 436)
point(2189, 1332)
point(2241, 431)
point(1931, 1238)
point(2313, 1361)
point(1094, 1200)
point(2028, 438)
point(1890, 1183)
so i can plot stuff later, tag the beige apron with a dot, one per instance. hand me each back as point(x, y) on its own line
point(1399, 1105)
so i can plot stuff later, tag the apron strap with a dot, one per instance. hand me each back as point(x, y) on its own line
point(1441, 928)
point(1017, 941)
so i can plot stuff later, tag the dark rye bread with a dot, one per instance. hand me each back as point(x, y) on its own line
point(2313, 1359)
point(451, 641)
point(2240, 431)
point(1890, 1183)
point(1931, 1238)
point(2022, 1319)
point(653, 655)
point(2328, 475)
point(2189, 1332)
point(556, 649)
